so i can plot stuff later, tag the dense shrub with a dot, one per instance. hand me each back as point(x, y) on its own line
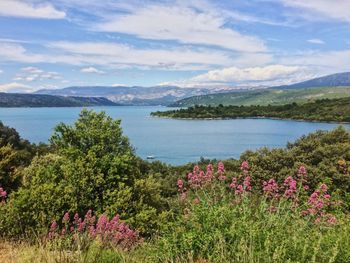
point(93, 166)
point(222, 220)
point(320, 152)
point(15, 154)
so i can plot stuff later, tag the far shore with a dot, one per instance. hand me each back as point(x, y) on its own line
point(254, 118)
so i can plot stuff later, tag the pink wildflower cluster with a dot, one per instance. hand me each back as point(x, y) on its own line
point(221, 171)
point(3, 195)
point(198, 178)
point(302, 176)
point(318, 202)
point(271, 188)
point(291, 187)
point(108, 231)
point(289, 190)
point(246, 184)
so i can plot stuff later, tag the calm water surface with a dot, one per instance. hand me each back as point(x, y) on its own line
point(171, 141)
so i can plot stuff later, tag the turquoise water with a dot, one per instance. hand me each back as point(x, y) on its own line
point(171, 141)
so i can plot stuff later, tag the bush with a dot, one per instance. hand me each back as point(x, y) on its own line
point(93, 166)
point(223, 221)
point(15, 155)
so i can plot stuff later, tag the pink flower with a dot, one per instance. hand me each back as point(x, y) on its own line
point(246, 184)
point(221, 168)
point(65, 219)
point(270, 188)
point(81, 226)
point(245, 166)
point(102, 223)
point(302, 171)
point(3, 195)
point(323, 188)
point(53, 227)
point(222, 178)
point(239, 190)
point(76, 219)
point(180, 184)
point(291, 185)
point(233, 183)
point(327, 196)
point(92, 231)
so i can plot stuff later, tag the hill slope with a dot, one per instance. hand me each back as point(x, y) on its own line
point(158, 95)
point(36, 100)
point(334, 80)
point(265, 97)
point(322, 110)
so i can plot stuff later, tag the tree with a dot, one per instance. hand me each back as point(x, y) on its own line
point(93, 166)
point(15, 154)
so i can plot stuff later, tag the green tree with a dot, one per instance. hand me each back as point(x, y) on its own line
point(93, 166)
point(15, 154)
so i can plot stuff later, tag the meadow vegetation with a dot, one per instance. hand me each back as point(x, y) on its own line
point(87, 197)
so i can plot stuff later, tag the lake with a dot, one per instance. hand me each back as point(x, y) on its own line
point(171, 141)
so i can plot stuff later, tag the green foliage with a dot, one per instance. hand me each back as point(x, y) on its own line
point(321, 110)
point(93, 167)
point(320, 152)
point(40, 100)
point(15, 154)
point(265, 97)
point(246, 232)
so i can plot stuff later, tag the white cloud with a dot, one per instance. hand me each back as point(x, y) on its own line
point(30, 74)
point(92, 70)
point(185, 23)
point(322, 62)
point(116, 55)
point(19, 8)
point(252, 76)
point(316, 41)
point(16, 52)
point(234, 74)
point(1, 71)
point(113, 54)
point(334, 9)
point(15, 87)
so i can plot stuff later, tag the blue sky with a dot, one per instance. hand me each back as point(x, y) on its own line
point(60, 43)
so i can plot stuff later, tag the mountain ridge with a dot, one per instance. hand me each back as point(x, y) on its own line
point(41, 100)
point(341, 79)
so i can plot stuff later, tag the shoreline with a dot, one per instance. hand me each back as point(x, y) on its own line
point(253, 118)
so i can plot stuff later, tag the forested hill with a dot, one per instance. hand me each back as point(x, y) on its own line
point(337, 110)
point(265, 97)
point(36, 100)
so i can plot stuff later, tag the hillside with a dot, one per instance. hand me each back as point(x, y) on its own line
point(334, 80)
point(337, 110)
point(36, 100)
point(265, 97)
point(157, 95)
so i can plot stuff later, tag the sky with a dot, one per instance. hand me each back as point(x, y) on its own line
point(59, 43)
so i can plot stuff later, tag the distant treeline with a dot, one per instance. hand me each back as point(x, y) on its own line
point(38, 100)
point(337, 110)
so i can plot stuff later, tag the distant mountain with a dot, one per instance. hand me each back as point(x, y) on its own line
point(38, 100)
point(334, 80)
point(157, 95)
point(265, 97)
